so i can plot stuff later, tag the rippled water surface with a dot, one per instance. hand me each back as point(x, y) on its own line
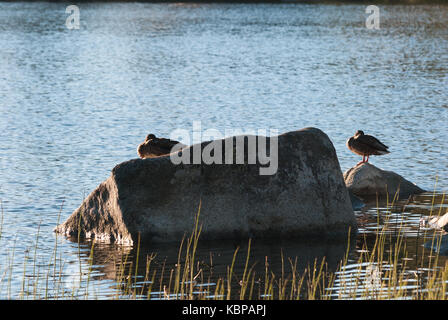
point(74, 103)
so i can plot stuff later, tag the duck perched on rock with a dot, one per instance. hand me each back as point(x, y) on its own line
point(154, 147)
point(365, 146)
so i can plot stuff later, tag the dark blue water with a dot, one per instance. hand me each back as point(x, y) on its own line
point(74, 103)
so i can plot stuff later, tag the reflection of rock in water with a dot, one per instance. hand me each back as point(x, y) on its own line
point(214, 258)
point(107, 259)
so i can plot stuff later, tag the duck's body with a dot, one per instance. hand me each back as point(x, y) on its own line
point(154, 147)
point(365, 146)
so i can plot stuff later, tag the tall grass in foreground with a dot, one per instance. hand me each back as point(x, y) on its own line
point(380, 272)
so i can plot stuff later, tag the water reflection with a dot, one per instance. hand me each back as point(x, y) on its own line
point(213, 259)
point(410, 257)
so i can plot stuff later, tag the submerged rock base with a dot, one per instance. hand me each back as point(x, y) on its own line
point(159, 200)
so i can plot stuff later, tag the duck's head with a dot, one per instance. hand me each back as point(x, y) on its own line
point(143, 149)
point(359, 133)
point(150, 136)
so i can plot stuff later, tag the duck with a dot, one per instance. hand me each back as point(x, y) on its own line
point(366, 145)
point(154, 147)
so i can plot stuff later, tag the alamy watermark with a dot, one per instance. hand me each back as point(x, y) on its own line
point(73, 20)
point(240, 147)
point(373, 20)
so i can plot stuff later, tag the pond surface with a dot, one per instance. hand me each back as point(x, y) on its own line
point(74, 103)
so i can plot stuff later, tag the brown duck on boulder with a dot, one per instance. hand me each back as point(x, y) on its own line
point(154, 147)
point(365, 145)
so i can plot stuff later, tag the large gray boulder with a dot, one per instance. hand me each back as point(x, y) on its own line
point(367, 181)
point(159, 199)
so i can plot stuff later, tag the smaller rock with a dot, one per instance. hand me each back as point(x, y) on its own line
point(365, 181)
point(435, 222)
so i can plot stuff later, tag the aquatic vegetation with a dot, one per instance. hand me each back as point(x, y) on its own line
point(382, 270)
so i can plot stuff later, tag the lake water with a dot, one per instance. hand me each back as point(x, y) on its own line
point(74, 103)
